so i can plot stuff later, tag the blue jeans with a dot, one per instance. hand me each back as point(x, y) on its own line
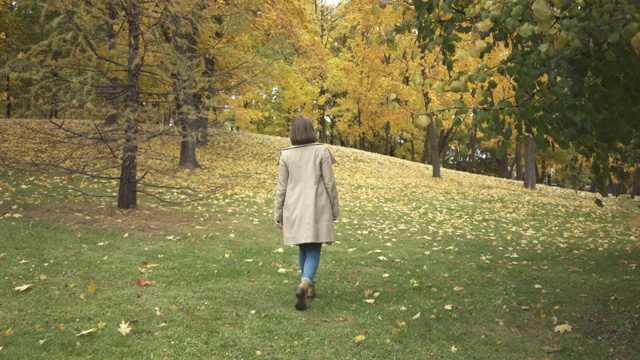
point(309, 256)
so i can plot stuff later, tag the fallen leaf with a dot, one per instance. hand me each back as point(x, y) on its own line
point(278, 250)
point(91, 288)
point(43, 277)
point(369, 301)
point(562, 328)
point(87, 332)
point(22, 288)
point(143, 282)
point(448, 307)
point(454, 349)
point(124, 328)
point(101, 325)
point(359, 338)
point(416, 316)
point(551, 350)
point(458, 288)
point(9, 333)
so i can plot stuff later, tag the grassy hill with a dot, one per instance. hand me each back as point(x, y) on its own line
point(463, 267)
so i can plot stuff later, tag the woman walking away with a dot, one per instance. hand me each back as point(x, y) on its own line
point(306, 201)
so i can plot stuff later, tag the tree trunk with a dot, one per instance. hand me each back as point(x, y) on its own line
point(8, 78)
point(188, 102)
point(636, 181)
point(529, 163)
point(323, 126)
point(503, 166)
point(471, 164)
point(332, 126)
point(425, 152)
point(413, 149)
point(128, 191)
point(518, 159)
point(387, 139)
point(435, 155)
point(323, 113)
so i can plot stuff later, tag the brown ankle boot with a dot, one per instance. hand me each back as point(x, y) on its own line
point(301, 294)
point(311, 293)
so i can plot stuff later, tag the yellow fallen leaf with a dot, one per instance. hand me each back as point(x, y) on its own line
point(152, 265)
point(1, 256)
point(369, 301)
point(124, 328)
point(101, 325)
point(458, 288)
point(448, 307)
point(258, 352)
point(22, 288)
point(416, 316)
point(43, 277)
point(562, 328)
point(401, 323)
point(87, 332)
point(454, 349)
point(9, 333)
point(91, 288)
point(359, 338)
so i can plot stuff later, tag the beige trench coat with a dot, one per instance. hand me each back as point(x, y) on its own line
point(306, 195)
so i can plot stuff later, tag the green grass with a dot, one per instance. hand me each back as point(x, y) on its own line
point(465, 267)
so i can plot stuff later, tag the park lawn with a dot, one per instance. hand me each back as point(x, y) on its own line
point(463, 267)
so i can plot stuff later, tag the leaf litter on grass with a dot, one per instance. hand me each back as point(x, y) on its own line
point(382, 216)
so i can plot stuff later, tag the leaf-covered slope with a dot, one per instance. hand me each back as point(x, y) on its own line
point(394, 196)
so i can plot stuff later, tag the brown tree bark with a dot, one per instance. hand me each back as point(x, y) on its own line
point(636, 182)
point(188, 102)
point(128, 191)
point(529, 163)
point(471, 164)
point(435, 155)
point(518, 158)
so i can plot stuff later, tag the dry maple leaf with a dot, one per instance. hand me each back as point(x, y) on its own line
point(124, 328)
point(22, 288)
point(562, 328)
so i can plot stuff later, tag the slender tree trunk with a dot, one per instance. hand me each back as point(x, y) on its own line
point(413, 149)
point(387, 139)
point(636, 181)
point(425, 151)
point(323, 126)
point(332, 126)
point(128, 191)
point(185, 45)
point(503, 166)
point(323, 113)
point(518, 159)
point(529, 163)
point(8, 88)
point(471, 164)
point(435, 155)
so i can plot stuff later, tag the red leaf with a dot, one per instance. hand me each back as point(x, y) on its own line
point(143, 282)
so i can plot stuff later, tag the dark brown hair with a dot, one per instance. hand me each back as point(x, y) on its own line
point(302, 131)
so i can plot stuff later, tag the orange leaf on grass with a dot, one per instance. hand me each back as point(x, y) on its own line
point(143, 282)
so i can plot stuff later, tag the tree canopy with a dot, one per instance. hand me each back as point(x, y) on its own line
point(463, 84)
